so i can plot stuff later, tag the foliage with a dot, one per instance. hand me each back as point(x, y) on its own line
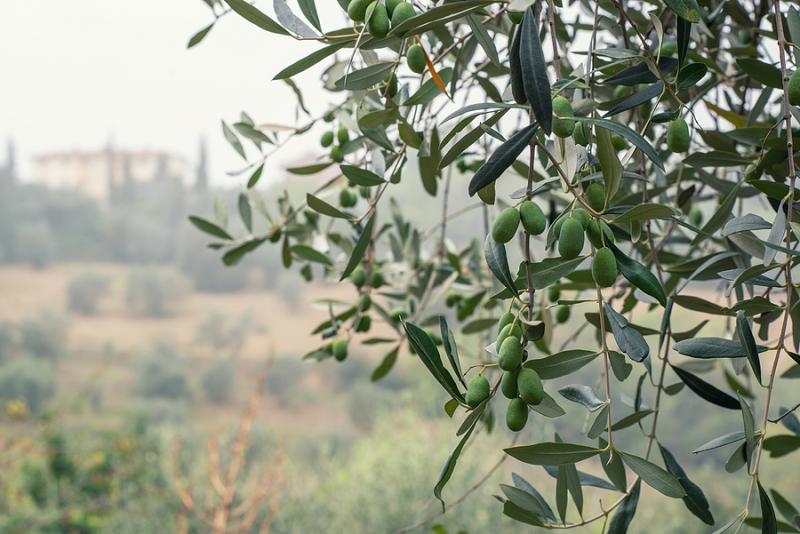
point(84, 290)
point(44, 337)
point(36, 245)
point(88, 484)
point(29, 380)
point(218, 382)
point(154, 292)
point(651, 136)
point(162, 375)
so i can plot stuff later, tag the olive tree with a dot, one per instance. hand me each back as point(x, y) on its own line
point(645, 136)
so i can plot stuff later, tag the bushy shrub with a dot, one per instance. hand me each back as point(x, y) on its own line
point(44, 337)
point(36, 245)
point(154, 292)
point(85, 290)
point(29, 380)
point(283, 378)
point(203, 268)
point(162, 375)
point(8, 339)
point(218, 382)
point(366, 402)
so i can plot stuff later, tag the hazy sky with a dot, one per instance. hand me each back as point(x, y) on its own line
point(75, 73)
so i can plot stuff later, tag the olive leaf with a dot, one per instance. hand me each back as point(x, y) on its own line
point(610, 165)
point(254, 15)
point(450, 464)
point(654, 476)
point(720, 441)
point(534, 72)
point(631, 136)
point(623, 516)
point(451, 349)
point(769, 523)
point(638, 275)
point(636, 99)
point(495, 254)
point(582, 395)
point(359, 249)
point(561, 363)
point(747, 340)
point(209, 227)
point(426, 349)
point(551, 453)
point(199, 36)
point(501, 159)
point(705, 390)
point(436, 17)
point(585, 479)
point(629, 340)
point(310, 60)
point(366, 77)
point(641, 73)
point(713, 347)
point(685, 9)
point(386, 365)
point(694, 499)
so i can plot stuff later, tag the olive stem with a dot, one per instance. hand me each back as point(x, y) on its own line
point(564, 177)
point(606, 365)
point(790, 293)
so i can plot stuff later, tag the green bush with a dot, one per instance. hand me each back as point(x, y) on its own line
point(36, 245)
point(8, 339)
point(85, 290)
point(283, 379)
point(218, 382)
point(162, 375)
point(27, 379)
point(154, 292)
point(44, 337)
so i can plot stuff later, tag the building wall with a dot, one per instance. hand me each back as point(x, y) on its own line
point(94, 173)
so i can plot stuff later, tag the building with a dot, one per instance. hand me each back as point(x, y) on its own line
point(100, 174)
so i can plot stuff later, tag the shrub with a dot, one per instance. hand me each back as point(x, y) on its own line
point(154, 292)
point(44, 337)
point(85, 290)
point(162, 375)
point(8, 339)
point(36, 245)
point(29, 380)
point(218, 381)
point(283, 378)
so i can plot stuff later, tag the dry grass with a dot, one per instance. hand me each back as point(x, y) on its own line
point(27, 293)
point(103, 349)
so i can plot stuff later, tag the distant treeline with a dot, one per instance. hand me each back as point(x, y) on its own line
point(148, 225)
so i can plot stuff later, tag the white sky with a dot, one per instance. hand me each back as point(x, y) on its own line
point(75, 73)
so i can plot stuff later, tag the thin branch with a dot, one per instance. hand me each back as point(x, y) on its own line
point(790, 292)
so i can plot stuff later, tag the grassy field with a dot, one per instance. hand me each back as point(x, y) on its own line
point(358, 457)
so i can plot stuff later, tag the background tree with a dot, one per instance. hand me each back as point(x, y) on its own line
point(653, 131)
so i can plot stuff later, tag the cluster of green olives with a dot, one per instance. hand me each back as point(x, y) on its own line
point(342, 137)
point(360, 278)
point(521, 385)
point(570, 230)
point(362, 322)
point(380, 16)
point(348, 197)
point(528, 213)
